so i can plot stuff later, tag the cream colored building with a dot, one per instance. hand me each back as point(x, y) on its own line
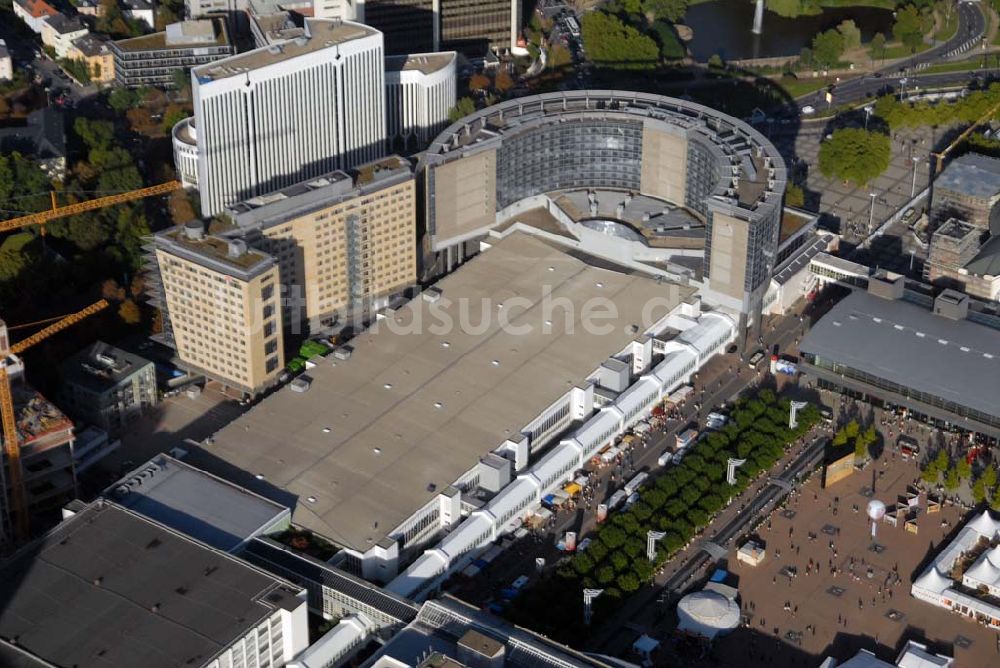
point(59, 31)
point(221, 306)
point(96, 53)
point(343, 243)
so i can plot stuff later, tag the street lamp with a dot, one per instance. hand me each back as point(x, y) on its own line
point(902, 89)
point(871, 212)
point(913, 184)
point(589, 596)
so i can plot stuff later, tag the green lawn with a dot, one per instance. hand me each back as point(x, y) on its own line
point(799, 87)
point(881, 4)
point(898, 51)
point(960, 66)
point(948, 30)
point(16, 242)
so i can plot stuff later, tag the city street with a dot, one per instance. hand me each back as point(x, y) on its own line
point(971, 25)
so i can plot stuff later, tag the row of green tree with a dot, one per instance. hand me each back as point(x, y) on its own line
point(860, 439)
point(902, 114)
point(680, 503)
point(793, 8)
point(942, 470)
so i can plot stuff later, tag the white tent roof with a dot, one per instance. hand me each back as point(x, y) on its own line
point(932, 580)
point(707, 613)
point(985, 570)
point(967, 539)
point(985, 525)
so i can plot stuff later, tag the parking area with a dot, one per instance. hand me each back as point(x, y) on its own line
point(167, 426)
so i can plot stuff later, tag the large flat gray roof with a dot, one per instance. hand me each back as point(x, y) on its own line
point(108, 587)
point(195, 503)
point(419, 408)
point(958, 361)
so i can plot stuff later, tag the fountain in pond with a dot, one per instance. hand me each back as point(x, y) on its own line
point(758, 18)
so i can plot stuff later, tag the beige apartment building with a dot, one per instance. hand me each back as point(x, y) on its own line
point(344, 243)
point(221, 306)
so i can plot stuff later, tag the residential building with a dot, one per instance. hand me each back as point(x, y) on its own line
point(964, 257)
point(155, 59)
point(343, 244)
point(197, 504)
point(92, 8)
point(6, 63)
point(118, 589)
point(96, 52)
point(46, 444)
point(431, 419)
point(333, 73)
point(107, 387)
point(194, 9)
point(938, 361)
point(59, 31)
point(143, 11)
point(91, 445)
point(43, 138)
point(34, 13)
point(220, 304)
point(969, 189)
point(420, 92)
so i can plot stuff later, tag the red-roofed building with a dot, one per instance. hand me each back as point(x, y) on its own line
point(34, 13)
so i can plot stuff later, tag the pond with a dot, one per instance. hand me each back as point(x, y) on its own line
point(724, 27)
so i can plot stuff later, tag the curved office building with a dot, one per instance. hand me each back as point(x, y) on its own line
point(727, 176)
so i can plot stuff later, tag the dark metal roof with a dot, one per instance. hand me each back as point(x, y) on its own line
point(43, 137)
point(110, 588)
point(987, 261)
point(958, 361)
point(101, 367)
point(262, 550)
point(972, 174)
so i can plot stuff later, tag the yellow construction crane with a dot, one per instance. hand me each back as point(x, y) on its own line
point(11, 441)
point(940, 156)
point(89, 205)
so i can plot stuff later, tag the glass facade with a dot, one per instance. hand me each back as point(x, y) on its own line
point(762, 243)
point(958, 410)
point(471, 26)
point(575, 154)
point(408, 25)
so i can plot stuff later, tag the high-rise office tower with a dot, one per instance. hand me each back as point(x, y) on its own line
point(283, 113)
point(470, 26)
